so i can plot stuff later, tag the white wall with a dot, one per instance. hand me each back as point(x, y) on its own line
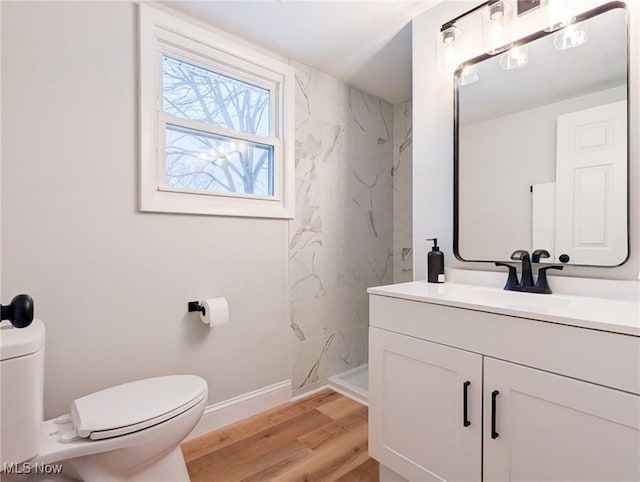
point(111, 283)
point(433, 148)
point(483, 155)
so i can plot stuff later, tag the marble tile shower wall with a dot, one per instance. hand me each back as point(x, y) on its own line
point(341, 240)
point(402, 194)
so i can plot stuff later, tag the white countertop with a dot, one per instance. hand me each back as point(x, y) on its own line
point(613, 315)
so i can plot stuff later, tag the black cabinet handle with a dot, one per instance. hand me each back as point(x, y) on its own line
point(494, 408)
point(465, 404)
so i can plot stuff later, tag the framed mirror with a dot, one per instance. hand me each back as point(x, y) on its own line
point(541, 146)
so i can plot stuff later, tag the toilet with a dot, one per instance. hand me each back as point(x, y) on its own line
point(128, 432)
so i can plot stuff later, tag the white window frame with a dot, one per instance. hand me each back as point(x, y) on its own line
point(164, 33)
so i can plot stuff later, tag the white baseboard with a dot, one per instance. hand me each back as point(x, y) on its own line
point(229, 411)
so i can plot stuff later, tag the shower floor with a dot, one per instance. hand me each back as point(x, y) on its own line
point(353, 383)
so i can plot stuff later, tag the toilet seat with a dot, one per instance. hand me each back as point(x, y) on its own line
point(134, 406)
point(60, 441)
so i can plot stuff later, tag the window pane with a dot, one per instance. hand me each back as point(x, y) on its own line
point(194, 93)
point(206, 162)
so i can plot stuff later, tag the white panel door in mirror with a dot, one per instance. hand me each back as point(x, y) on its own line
point(591, 185)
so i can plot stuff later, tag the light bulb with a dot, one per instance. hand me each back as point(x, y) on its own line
point(446, 51)
point(497, 31)
point(496, 27)
point(449, 55)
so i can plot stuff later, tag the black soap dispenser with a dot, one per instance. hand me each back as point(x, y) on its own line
point(435, 263)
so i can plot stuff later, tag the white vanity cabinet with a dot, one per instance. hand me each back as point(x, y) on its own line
point(417, 421)
point(544, 402)
point(552, 428)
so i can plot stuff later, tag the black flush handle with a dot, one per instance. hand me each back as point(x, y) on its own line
point(19, 312)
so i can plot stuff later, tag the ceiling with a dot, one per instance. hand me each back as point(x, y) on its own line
point(364, 43)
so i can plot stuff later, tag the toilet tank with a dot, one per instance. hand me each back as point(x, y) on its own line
point(21, 391)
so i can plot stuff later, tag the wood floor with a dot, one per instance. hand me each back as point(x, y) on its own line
point(319, 438)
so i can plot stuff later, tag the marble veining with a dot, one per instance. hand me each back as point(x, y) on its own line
point(402, 193)
point(341, 240)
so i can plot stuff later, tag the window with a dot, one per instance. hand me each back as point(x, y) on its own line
point(216, 123)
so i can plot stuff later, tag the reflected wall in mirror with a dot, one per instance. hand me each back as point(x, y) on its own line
point(541, 154)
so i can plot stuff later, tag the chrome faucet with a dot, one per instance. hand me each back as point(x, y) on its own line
point(526, 281)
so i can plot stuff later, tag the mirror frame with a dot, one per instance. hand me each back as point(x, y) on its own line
point(456, 107)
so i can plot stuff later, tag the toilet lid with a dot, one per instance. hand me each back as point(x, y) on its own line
point(134, 406)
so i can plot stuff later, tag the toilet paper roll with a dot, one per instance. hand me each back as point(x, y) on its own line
point(216, 312)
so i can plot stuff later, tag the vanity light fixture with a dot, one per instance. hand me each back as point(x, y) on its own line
point(515, 57)
point(571, 36)
point(446, 54)
point(556, 14)
point(496, 26)
point(496, 33)
point(446, 47)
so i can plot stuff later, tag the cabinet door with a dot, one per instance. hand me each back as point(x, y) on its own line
point(553, 428)
point(416, 408)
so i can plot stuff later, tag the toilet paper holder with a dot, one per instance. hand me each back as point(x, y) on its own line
point(195, 306)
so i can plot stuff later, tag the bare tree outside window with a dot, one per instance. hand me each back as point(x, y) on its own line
point(202, 161)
